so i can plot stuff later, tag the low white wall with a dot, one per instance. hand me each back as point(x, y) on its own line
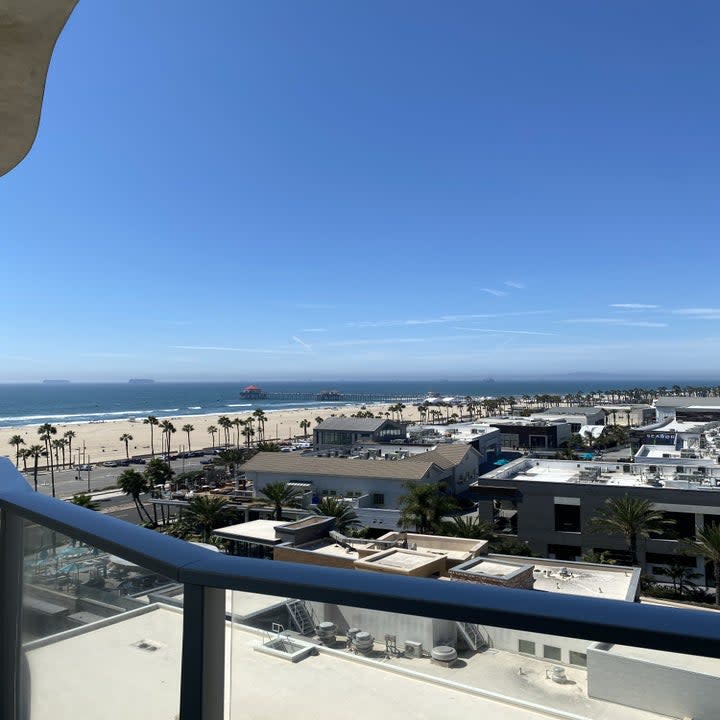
point(429, 631)
point(652, 686)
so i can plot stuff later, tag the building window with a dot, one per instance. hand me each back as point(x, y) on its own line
point(552, 653)
point(683, 526)
point(378, 499)
point(526, 647)
point(567, 518)
point(578, 658)
point(565, 552)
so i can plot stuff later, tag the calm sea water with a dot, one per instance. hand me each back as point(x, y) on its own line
point(34, 404)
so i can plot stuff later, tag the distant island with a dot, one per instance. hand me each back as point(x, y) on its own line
point(141, 381)
point(56, 382)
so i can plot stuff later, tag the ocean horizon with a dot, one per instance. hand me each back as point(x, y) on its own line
point(24, 404)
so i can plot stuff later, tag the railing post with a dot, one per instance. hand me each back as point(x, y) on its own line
point(202, 686)
point(11, 593)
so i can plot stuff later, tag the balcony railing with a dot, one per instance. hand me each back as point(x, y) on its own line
point(37, 531)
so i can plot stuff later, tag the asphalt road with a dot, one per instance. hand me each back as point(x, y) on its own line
point(102, 478)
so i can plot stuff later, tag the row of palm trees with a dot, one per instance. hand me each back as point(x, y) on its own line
point(52, 448)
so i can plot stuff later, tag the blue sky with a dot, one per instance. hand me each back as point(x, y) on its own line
point(293, 189)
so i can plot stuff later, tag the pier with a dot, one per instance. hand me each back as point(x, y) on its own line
point(340, 397)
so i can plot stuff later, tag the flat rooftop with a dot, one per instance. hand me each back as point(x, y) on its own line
point(68, 679)
point(258, 531)
point(401, 561)
point(569, 472)
point(585, 579)
point(679, 661)
point(326, 546)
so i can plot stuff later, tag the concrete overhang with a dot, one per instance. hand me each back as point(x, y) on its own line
point(29, 30)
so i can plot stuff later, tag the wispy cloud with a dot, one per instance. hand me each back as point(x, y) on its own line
point(302, 343)
point(314, 329)
point(618, 322)
point(491, 291)
point(634, 306)
point(218, 348)
point(516, 285)
point(441, 319)
point(107, 355)
point(315, 306)
point(375, 341)
point(504, 332)
point(699, 313)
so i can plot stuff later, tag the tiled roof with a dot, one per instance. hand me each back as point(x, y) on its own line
point(291, 463)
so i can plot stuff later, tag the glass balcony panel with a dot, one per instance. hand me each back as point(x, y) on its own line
point(315, 659)
point(102, 636)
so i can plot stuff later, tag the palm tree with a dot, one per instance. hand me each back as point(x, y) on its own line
point(35, 451)
point(231, 459)
point(69, 435)
point(187, 429)
point(205, 513)
point(167, 430)
point(280, 494)
point(224, 422)
point(318, 420)
point(248, 432)
point(46, 432)
point(57, 445)
point(424, 505)
point(24, 454)
point(211, 431)
point(707, 544)
point(133, 483)
point(152, 421)
point(126, 438)
point(304, 425)
point(261, 418)
point(157, 472)
point(85, 500)
point(345, 516)
point(681, 576)
point(63, 443)
point(633, 518)
point(468, 526)
point(16, 441)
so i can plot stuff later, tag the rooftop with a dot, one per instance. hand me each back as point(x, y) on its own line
point(258, 531)
point(572, 472)
point(494, 685)
point(291, 463)
point(353, 424)
point(405, 562)
point(569, 410)
point(688, 402)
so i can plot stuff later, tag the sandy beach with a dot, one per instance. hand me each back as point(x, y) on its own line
point(101, 440)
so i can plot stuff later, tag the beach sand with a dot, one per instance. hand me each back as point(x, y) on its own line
point(101, 440)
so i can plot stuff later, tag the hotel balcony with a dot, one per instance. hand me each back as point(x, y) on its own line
point(103, 619)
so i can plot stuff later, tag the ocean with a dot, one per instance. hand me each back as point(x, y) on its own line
point(35, 404)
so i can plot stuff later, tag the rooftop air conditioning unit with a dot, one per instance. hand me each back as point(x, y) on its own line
point(413, 649)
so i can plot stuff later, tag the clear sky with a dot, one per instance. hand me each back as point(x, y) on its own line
point(295, 189)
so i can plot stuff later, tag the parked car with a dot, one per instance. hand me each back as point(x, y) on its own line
point(111, 463)
point(87, 466)
point(138, 461)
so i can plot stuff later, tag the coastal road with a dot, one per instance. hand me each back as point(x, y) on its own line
point(102, 478)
